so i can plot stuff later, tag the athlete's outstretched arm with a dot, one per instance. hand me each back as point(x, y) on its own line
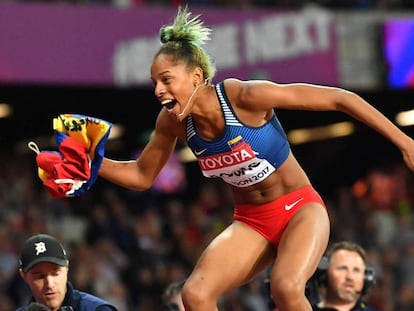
point(301, 96)
point(139, 174)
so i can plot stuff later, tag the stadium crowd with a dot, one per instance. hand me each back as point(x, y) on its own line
point(127, 246)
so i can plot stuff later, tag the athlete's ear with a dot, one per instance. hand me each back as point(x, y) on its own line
point(198, 76)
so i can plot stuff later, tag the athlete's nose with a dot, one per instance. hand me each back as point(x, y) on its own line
point(159, 91)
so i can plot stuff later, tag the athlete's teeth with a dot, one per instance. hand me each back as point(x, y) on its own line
point(164, 102)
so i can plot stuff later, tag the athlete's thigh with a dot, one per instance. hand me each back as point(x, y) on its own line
point(302, 244)
point(233, 258)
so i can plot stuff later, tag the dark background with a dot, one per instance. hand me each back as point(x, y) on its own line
point(329, 163)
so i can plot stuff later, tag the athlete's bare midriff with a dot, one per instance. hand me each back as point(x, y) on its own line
point(287, 178)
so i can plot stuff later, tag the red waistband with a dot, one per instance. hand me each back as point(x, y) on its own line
point(304, 191)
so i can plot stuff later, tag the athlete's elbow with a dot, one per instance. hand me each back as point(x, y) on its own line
point(343, 99)
point(144, 187)
point(141, 185)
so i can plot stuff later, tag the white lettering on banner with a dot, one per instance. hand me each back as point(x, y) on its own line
point(132, 60)
point(321, 29)
point(224, 46)
point(273, 38)
point(286, 36)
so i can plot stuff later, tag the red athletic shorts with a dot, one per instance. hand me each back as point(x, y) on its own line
point(270, 219)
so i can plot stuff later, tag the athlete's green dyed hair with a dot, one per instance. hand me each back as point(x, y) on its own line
point(183, 40)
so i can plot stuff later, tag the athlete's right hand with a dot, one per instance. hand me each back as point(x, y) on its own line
point(408, 155)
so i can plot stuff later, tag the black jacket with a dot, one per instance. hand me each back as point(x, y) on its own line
point(76, 300)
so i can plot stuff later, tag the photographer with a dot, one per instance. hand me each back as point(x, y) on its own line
point(44, 267)
point(343, 278)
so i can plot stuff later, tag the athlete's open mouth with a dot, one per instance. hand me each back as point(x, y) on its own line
point(169, 104)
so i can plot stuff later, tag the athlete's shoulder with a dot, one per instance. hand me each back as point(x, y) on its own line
point(233, 88)
point(233, 83)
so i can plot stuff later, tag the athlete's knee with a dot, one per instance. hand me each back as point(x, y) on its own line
point(195, 294)
point(287, 289)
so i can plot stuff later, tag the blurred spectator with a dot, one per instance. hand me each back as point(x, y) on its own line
point(172, 296)
point(346, 278)
point(44, 268)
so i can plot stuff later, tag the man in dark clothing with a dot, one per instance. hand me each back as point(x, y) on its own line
point(344, 278)
point(44, 267)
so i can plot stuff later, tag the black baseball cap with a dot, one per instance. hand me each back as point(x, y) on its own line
point(42, 248)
